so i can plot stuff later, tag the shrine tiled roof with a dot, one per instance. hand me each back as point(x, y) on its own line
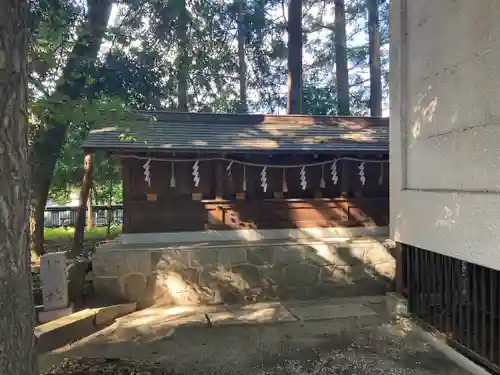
point(207, 132)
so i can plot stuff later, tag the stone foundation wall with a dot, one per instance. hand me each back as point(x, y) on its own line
point(237, 273)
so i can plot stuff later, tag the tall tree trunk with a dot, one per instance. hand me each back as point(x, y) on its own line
point(17, 354)
point(48, 143)
point(84, 197)
point(295, 57)
point(342, 71)
point(241, 58)
point(90, 210)
point(183, 62)
point(374, 47)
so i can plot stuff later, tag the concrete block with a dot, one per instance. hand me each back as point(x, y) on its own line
point(108, 289)
point(302, 274)
point(287, 254)
point(191, 297)
point(320, 253)
point(173, 258)
point(396, 305)
point(334, 274)
point(229, 256)
point(386, 269)
point(107, 314)
point(119, 263)
point(203, 258)
point(358, 273)
point(246, 276)
point(174, 281)
point(259, 255)
point(47, 316)
point(377, 253)
point(349, 254)
point(65, 330)
point(133, 286)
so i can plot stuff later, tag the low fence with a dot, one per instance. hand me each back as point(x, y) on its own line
point(65, 216)
point(458, 299)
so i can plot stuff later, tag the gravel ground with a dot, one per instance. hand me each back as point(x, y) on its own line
point(364, 346)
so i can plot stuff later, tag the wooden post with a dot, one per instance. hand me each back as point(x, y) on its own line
point(90, 211)
point(219, 180)
point(84, 196)
point(398, 255)
point(345, 176)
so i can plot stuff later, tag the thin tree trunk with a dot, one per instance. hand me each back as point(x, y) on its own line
point(48, 143)
point(374, 47)
point(90, 211)
point(109, 212)
point(241, 59)
point(17, 354)
point(342, 71)
point(38, 203)
point(183, 63)
point(84, 196)
point(295, 57)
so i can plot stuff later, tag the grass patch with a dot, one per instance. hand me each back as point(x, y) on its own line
point(61, 239)
point(92, 234)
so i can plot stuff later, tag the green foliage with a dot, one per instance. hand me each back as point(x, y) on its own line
point(137, 68)
point(66, 234)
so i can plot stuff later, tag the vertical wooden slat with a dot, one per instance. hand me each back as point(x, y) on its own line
point(461, 334)
point(425, 285)
point(439, 273)
point(470, 293)
point(447, 294)
point(410, 277)
point(429, 292)
point(398, 254)
point(219, 180)
point(453, 304)
point(492, 309)
point(433, 257)
point(497, 306)
point(345, 177)
point(409, 268)
point(484, 310)
point(418, 282)
point(475, 303)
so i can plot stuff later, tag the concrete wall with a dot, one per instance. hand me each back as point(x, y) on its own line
point(212, 273)
point(445, 127)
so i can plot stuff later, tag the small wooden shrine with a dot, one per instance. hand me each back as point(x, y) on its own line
point(199, 171)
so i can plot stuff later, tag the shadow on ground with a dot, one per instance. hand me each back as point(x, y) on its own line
point(356, 345)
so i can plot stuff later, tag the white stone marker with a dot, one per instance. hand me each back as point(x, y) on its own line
point(53, 276)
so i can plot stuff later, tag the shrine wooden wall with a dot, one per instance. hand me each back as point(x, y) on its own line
point(348, 203)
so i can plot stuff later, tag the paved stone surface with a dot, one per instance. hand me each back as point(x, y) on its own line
point(333, 311)
point(260, 313)
point(366, 345)
point(149, 325)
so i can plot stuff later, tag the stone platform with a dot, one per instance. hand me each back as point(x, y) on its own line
point(241, 271)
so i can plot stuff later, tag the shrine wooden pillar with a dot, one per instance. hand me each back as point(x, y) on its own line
point(345, 178)
point(219, 180)
point(82, 206)
point(399, 275)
